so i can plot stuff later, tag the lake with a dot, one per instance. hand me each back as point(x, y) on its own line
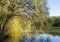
point(40, 38)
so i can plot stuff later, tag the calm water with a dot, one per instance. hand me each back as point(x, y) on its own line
point(40, 38)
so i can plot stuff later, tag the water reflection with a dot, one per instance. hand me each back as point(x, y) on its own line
point(40, 38)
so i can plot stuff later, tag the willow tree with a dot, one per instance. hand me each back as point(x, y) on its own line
point(22, 15)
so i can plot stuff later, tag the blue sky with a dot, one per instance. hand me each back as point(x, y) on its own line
point(54, 6)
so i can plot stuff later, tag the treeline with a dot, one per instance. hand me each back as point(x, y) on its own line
point(54, 21)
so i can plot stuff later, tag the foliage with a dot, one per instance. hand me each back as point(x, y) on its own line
point(55, 21)
point(20, 17)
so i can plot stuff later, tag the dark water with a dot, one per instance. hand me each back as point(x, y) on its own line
point(40, 38)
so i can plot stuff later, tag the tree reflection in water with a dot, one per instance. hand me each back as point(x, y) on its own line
point(31, 39)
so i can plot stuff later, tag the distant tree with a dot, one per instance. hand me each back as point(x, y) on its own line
point(55, 21)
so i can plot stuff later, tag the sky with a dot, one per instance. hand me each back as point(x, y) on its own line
point(54, 7)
